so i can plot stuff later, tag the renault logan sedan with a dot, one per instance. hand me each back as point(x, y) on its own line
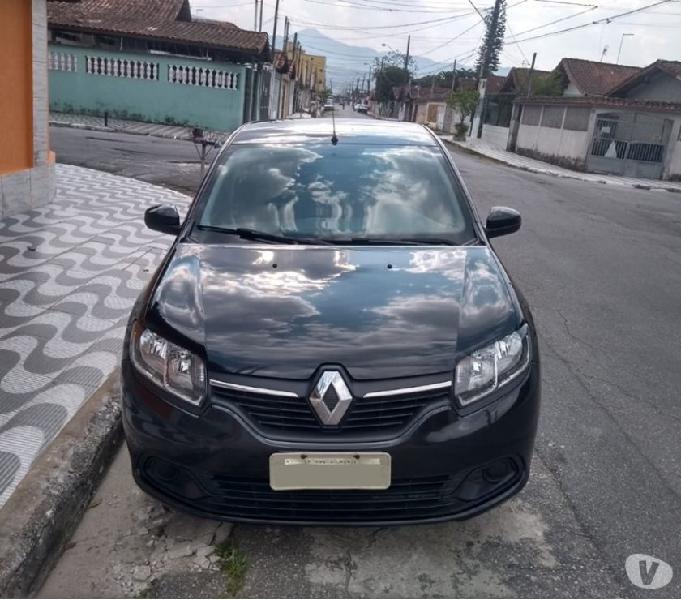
point(331, 337)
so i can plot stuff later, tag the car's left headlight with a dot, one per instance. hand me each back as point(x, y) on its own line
point(486, 370)
point(177, 370)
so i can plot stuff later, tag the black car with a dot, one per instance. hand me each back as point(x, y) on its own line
point(331, 338)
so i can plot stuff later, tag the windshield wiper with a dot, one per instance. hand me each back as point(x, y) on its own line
point(262, 236)
point(408, 241)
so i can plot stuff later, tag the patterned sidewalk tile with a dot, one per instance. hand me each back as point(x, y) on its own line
point(69, 274)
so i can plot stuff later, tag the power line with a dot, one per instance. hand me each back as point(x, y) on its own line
point(519, 46)
point(351, 28)
point(449, 41)
point(482, 18)
point(354, 6)
point(606, 20)
point(592, 8)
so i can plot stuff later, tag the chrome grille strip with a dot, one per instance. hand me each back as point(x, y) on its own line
point(284, 394)
point(414, 390)
point(252, 390)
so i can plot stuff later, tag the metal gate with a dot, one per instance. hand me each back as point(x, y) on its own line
point(629, 144)
point(265, 91)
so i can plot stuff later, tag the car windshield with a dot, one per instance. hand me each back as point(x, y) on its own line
point(329, 192)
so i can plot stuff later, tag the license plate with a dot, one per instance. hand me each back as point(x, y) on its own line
point(330, 471)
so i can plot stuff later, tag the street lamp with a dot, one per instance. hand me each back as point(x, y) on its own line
point(619, 52)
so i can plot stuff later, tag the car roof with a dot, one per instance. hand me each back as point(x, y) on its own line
point(354, 131)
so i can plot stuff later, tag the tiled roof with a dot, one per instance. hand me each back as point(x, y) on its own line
point(428, 94)
point(161, 20)
point(605, 102)
point(595, 78)
point(494, 83)
point(670, 67)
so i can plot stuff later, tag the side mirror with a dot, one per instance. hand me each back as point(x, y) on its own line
point(163, 218)
point(502, 221)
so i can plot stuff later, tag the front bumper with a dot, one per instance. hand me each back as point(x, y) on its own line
point(216, 465)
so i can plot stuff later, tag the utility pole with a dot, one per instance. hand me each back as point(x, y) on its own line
point(281, 97)
point(530, 75)
point(406, 56)
point(454, 76)
point(274, 62)
point(262, 3)
point(255, 22)
point(295, 70)
point(484, 67)
point(619, 52)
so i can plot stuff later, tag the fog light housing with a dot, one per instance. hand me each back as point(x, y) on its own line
point(488, 480)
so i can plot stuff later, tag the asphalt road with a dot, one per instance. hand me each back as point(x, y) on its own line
point(601, 268)
point(173, 163)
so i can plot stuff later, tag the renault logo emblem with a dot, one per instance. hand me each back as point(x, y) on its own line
point(330, 410)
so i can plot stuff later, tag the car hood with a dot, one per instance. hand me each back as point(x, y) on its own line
point(380, 312)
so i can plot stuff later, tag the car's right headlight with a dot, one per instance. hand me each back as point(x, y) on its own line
point(175, 369)
point(486, 370)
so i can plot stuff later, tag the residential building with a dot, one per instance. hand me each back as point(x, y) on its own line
point(431, 106)
point(26, 163)
point(152, 60)
point(317, 74)
point(311, 75)
point(590, 78)
point(426, 105)
point(298, 81)
point(632, 128)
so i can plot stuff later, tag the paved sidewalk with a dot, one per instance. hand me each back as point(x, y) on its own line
point(69, 274)
point(536, 166)
point(175, 132)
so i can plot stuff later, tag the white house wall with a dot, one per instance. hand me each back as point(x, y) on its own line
point(560, 146)
point(572, 90)
point(673, 162)
point(495, 136)
point(555, 143)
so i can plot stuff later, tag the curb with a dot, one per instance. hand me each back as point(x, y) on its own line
point(548, 172)
point(41, 515)
point(103, 129)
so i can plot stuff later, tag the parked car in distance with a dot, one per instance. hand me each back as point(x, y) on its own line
point(328, 107)
point(331, 338)
point(361, 108)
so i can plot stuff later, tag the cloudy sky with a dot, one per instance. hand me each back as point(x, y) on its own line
point(443, 30)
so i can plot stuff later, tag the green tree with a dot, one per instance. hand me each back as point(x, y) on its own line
point(465, 102)
point(494, 40)
point(547, 85)
point(444, 78)
point(387, 78)
point(394, 59)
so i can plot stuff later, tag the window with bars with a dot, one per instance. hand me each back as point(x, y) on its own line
point(203, 77)
point(62, 61)
point(121, 67)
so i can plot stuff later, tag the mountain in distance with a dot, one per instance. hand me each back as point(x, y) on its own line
point(345, 63)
